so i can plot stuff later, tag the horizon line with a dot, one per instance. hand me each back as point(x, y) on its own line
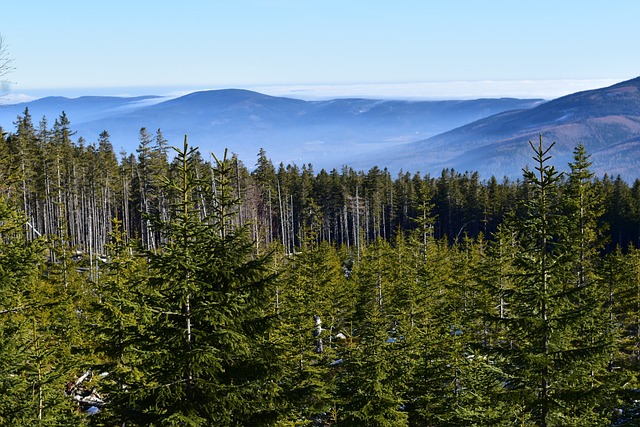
point(546, 89)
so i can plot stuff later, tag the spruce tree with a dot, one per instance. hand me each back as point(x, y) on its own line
point(15, 275)
point(36, 316)
point(204, 355)
point(372, 384)
point(120, 316)
point(551, 369)
point(311, 315)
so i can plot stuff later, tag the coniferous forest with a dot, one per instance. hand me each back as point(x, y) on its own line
point(173, 287)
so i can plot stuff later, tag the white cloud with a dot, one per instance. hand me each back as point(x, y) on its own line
point(16, 98)
point(439, 90)
point(546, 89)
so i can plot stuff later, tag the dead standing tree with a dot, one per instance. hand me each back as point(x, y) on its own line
point(5, 65)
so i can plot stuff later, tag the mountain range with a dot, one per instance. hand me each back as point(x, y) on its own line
point(605, 121)
point(327, 134)
point(485, 135)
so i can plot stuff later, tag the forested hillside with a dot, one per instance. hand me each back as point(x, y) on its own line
point(328, 133)
point(170, 287)
point(606, 121)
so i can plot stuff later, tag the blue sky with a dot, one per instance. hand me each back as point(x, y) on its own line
point(405, 48)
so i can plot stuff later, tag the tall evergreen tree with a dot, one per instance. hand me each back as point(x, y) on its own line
point(584, 208)
point(204, 357)
point(551, 370)
point(120, 316)
point(620, 276)
point(35, 345)
point(312, 313)
point(372, 384)
point(264, 176)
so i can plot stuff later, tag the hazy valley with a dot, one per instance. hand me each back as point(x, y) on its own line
point(485, 135)
point(327, 134)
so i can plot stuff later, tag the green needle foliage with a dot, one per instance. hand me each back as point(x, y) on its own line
point(372, 385)
point(443, 301)
point(553, 370)
point(311, 314)
point(203, 354)
point(37, 317)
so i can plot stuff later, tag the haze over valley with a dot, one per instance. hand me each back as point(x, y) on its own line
point(485, 135)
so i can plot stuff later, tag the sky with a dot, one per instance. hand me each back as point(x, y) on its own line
point(320, 48)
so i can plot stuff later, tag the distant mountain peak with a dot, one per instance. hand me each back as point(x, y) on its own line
point(485, 135)
point(497, 145)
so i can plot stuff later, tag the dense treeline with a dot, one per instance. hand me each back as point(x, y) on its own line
point(192, 291)
point(72, 189)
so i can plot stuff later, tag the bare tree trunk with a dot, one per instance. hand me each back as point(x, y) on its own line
point(281, 217)
point(356, 229)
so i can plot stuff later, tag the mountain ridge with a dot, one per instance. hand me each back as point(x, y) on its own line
point(600, 119)
point(324, 133)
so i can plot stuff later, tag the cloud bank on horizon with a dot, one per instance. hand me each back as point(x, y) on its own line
point(545, 89)
point(446, 90)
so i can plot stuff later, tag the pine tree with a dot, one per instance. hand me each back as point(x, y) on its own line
point(107, 192)
point(120, 316)
point(204, 356)
point(551, 370)
point(14, 300)
point(585, 208)
point(372, 383)
point(311, 316)
point(264, 176)
point(408, 305)
point(620, 275)
point(454, 381)
point(35, 345)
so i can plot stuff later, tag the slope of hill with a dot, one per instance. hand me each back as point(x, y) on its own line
point(81, 109)
point(324, 133)
point(606, 121)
